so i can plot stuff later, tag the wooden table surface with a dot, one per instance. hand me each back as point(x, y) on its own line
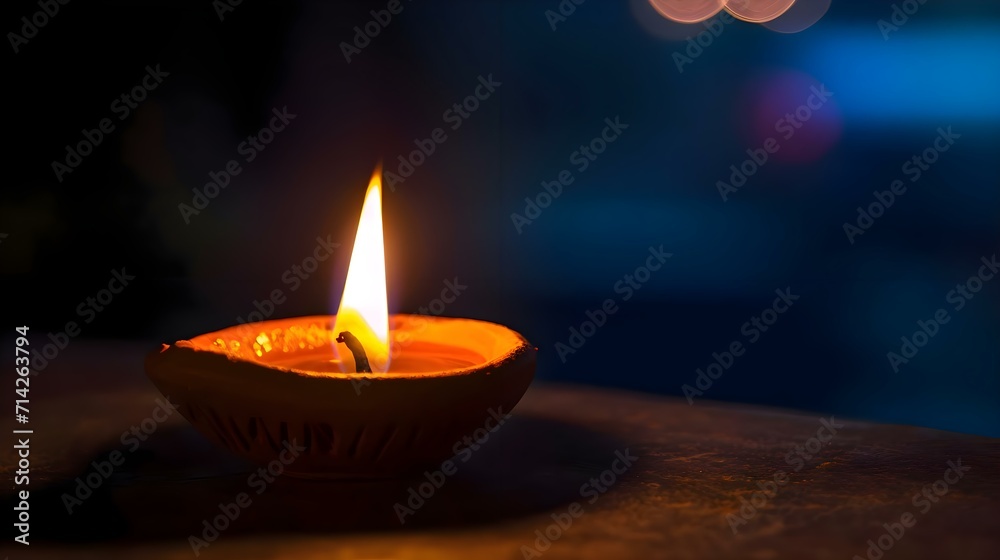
point(680, 498)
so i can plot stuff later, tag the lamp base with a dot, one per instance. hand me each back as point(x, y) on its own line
point(341, 425)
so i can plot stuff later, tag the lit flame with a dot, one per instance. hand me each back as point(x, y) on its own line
point(363, 308)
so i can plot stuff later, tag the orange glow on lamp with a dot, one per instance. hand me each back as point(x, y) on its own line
point(256, 390)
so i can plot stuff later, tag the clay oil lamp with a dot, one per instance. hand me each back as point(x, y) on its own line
point(366, 393)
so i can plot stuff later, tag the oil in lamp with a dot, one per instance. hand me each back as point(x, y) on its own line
point(366, 393)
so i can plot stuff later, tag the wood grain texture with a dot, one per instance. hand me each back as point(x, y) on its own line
point(694, 465)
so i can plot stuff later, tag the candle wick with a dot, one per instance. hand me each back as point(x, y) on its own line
point(354, 345)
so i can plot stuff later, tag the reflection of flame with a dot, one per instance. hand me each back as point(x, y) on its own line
point(363, 308)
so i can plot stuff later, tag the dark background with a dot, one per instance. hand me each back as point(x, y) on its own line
point(655, 185)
